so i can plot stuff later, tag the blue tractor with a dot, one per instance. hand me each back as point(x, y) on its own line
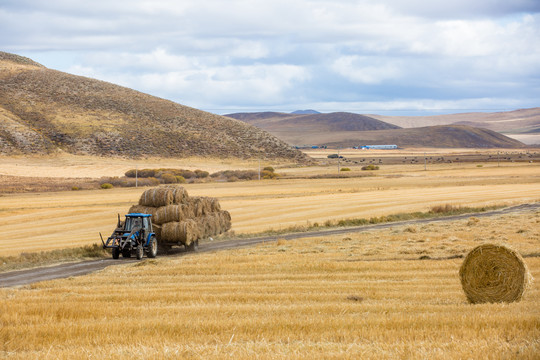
point(133, 235)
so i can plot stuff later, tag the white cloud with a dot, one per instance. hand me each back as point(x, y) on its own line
point(366, 70)
point(259, 53)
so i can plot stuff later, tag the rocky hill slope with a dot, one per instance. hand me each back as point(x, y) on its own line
point(43, 111)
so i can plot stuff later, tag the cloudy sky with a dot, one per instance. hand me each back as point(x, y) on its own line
point(386, 56)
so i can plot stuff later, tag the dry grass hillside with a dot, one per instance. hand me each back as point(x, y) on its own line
point(43, 110)
point(522, 124)
point(343, 129)
point(443, 136)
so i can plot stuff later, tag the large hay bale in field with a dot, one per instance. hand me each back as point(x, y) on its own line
point(171, 213)
point(179, 194)
point(184, 232)
point(143, 210)
point(157, 197)
point(494, 273)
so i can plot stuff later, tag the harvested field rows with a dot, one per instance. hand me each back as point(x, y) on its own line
point(304, 299)
point(34, 222)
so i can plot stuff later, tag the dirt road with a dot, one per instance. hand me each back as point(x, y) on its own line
point(24, 277)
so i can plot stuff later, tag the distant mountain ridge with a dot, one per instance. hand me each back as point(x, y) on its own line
point(43, 111)
point(337, 121)
point(515, 121)
point(342, 129)
point(305, 112)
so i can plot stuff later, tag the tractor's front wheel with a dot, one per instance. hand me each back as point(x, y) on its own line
point(152, 248)
point(115, 253)
point(140, 252)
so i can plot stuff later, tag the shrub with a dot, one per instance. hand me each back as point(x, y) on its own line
point(201, 174)
point(187, 174)
point(269, 169)
point(444, 209)
point(107, 186)
point(269, 175)
point(180, 180)
point(370, 167)
point(169, 178)
point(237, 174)
point(345, 169)
point(75, 188)
point(333, 156)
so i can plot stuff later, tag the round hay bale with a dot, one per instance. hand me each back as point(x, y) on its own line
point(494, 273)
point(157, 197)
point(225, 221)
point(196, 205)
point(214, 204)
point(179, 194)
point(170, 213)
point(184, 232)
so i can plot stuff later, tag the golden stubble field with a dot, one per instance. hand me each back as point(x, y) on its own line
point(46, 221)
point(363, 295)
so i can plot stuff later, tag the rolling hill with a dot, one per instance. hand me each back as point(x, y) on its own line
point(343, 129)
point(522, 124)
point(43, 111)
point(312, 122)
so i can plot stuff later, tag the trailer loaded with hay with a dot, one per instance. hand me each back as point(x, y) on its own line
point(179, 219)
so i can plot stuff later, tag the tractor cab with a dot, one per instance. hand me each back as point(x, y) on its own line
point(133, 234)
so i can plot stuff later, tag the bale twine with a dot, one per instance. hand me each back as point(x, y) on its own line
point(157, 197)
point(170, 213)
point(143, 210)
point(494, 273)
point(184, 232)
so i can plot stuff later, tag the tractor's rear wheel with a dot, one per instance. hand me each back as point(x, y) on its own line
point(126, 252)
point(115, 253)
point(152, 248)
point(139, 251)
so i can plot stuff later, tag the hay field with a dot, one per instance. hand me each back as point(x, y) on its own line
point(44, 221)
point(342, 297)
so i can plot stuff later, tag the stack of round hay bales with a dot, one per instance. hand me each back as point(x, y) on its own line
point(178, 218)
point(494, 273)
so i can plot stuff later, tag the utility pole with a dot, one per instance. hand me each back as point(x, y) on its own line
point(425, 162)
point(136, 176)
point(259, 169)
point(498, 160)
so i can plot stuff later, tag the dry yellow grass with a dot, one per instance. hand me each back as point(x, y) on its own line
point(313, 298)
point(34, 222)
